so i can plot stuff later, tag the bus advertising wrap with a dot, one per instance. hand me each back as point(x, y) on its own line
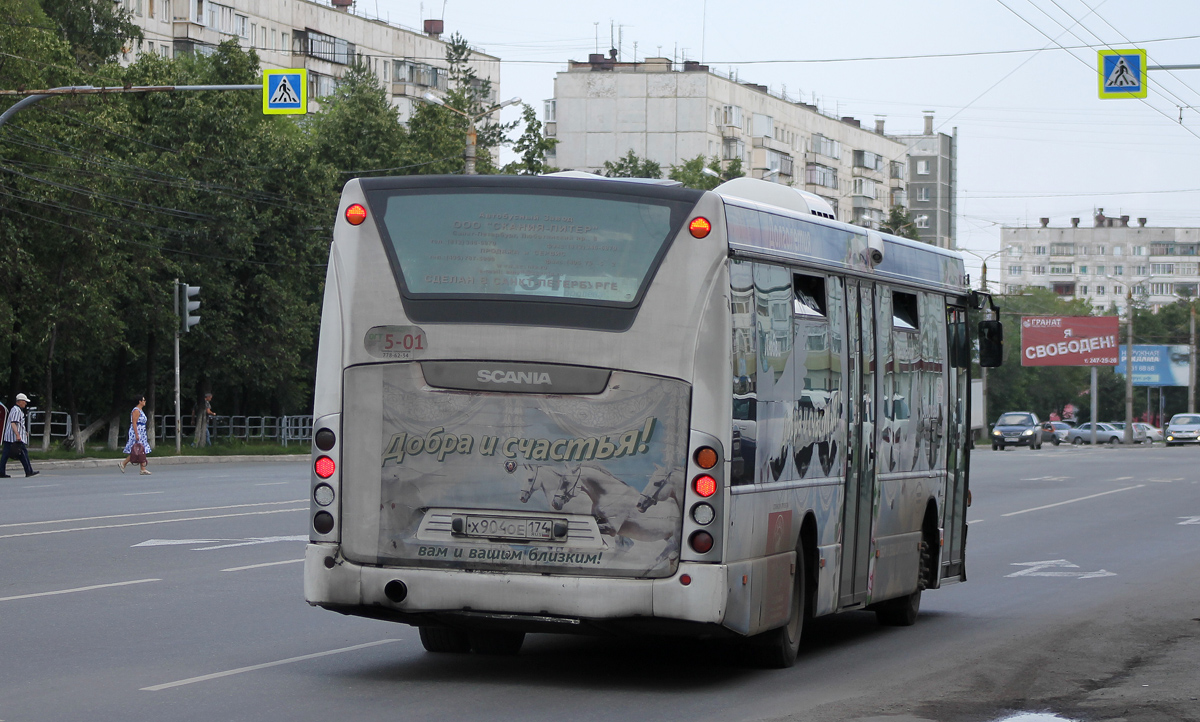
point(1069, 340)
point(533, 481)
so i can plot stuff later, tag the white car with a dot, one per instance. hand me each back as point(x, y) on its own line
point(1105, 434)
point(1183, 429)
point(1152, 434)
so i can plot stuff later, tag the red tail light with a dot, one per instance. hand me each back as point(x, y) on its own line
point(324, 467)
point(701, 541)
point(700, 227)
point(356, 214)
point(705, 485)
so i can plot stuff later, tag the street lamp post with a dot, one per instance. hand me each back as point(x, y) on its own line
point(983, 284)
point(1129, 284)
point(469, 151)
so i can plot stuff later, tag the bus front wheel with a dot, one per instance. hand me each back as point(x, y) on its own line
point(445, 640)
point(777, 648)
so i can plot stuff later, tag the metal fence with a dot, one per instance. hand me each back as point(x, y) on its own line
point(284, 429)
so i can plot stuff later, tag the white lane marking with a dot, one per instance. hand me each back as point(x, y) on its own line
point(151, 513)
point(143, 493)
point(1034, 569)
point(144, 523)
point(974, 521)
point(259, 566)
point(244, 542)
point(77, 589)
point(38, 486)
point(274, 483)
point(1189, 520)
point(254, 541)
point(253, 667)
point(1123, 478)
point(177, 542)
point(1068, 501)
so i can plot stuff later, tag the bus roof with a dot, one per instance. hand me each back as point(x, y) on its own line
point(769, 232)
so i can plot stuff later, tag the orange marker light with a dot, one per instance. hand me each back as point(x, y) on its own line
point(706, 457)
point(705, 485)
point(356, 214)
point(700, 227)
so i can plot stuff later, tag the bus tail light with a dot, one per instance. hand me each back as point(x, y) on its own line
point(704, 516)
point(356, 214)
point(700, 227)
point(323, 522)
point(324, 467)
point(706, 457)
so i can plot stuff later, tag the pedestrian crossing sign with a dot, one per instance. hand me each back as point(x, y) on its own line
point(285, 92)
point(1122, 74)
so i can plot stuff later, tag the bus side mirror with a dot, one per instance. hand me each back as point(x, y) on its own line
point(991, 344)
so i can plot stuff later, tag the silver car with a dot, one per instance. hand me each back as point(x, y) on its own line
point(1152, 434)
point(1105, 434)
point(1139, 434)
point(1183, 429)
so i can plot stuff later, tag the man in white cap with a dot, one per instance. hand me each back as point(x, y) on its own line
point(16, 436)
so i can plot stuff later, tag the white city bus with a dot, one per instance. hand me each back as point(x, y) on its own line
point(565, 404)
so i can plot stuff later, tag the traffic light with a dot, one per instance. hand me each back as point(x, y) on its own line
point(187, 306)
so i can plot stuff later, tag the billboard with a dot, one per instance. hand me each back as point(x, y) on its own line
point(1158, 365)
point(1069, 340)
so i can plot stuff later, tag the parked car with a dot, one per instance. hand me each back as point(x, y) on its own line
point(1152, 434)
point(1139, 435)
point(1061, 430)
point(1105, 434)
point(1017, 428)
point(1183, 429)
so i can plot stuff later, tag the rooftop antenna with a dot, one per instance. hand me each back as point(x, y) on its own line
point(596, 26)
point(635, 52)
point(704, 30)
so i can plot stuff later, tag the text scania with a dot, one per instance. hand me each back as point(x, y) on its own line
point(531, 378)
point(1075, 345)
point(437, 443)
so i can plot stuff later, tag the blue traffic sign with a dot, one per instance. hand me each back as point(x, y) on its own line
point(285, 92)
point(1122, 73)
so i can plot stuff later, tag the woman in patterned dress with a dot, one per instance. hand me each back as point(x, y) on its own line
point(137, 435)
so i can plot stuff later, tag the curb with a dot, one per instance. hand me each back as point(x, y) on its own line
point(171, 460)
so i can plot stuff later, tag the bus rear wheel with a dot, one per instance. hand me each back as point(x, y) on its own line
point(777, 648)
point(497, 643)
point(444, 640)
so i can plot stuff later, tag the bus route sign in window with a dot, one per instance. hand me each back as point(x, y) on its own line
point(537, 246)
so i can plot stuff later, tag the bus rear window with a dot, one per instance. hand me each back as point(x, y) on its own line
point(581, 248)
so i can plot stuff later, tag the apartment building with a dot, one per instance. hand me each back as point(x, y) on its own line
point(1103, 261)
point(933, 183)
point(323, 37)
point(604, 108)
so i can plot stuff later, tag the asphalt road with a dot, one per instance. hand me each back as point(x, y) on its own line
point(178, 596)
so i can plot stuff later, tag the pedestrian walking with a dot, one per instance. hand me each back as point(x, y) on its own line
point(16, 438)
point(206, 419)
point(139, 444)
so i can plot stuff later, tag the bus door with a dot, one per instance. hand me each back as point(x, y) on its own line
point(954, 510)
point(860, 476)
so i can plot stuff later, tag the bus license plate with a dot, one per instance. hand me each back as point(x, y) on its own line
point(502, 527)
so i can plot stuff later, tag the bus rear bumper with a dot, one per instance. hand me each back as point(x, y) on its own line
point(431, 594)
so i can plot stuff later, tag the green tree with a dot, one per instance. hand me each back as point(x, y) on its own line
point(532, 147)
point(97, 30)
point(692, 173)
point(438, 135)
point(900, 223)
point(631, 166)
point(359, 109)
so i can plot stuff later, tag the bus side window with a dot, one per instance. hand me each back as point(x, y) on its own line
point(744, 362)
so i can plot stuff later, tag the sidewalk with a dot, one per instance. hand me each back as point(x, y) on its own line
point(169, 461)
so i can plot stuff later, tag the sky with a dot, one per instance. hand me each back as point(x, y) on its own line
point(1034, 139)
